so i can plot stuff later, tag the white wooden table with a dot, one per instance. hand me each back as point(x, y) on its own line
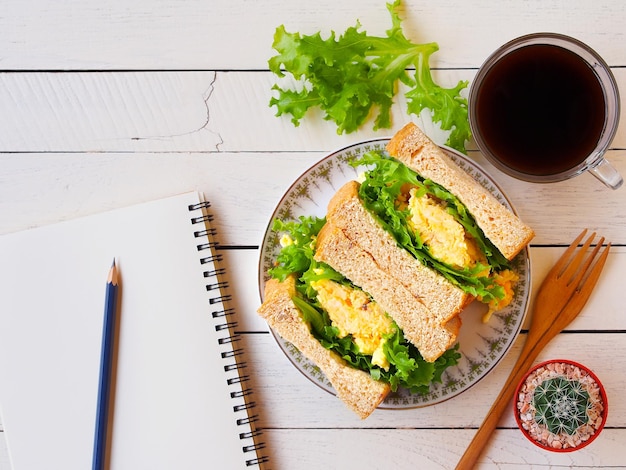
point(105, 104)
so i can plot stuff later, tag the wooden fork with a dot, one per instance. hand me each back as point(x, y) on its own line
point(560, 298)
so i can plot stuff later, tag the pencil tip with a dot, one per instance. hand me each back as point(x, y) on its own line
point(113, 274)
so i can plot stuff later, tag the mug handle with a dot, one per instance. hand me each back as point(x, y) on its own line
point(606, 173)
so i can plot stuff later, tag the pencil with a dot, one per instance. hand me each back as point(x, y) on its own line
point(106, 369)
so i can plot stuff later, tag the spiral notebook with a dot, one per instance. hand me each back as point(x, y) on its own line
point(180, 398)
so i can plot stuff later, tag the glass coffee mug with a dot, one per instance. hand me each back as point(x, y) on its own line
point(544, 108)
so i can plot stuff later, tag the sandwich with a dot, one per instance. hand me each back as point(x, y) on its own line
point(371, 293)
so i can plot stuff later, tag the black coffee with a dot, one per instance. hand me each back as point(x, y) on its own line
point(541, 109)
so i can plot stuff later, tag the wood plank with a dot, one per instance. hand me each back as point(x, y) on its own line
point(202, 35)
point(431, 449)
point(177, 111)
point(112, 111)
point(46, 187)
point(180, 112)
point(301, 448)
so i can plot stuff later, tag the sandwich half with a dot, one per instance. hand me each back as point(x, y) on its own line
point(450, 228)
point(504, 229)
point(356, 388)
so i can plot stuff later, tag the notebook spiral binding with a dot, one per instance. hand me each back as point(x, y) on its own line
point(223, 324)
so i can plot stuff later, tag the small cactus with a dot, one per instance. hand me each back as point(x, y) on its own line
point(561, 405)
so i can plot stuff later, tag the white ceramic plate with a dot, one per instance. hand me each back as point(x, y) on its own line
point(481, 345)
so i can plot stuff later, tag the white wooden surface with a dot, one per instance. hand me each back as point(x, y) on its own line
point(105, 104)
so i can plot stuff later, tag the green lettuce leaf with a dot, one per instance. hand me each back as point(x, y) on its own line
point(297, 256)
point(349, 76)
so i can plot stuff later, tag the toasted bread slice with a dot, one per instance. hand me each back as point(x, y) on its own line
point(436, 293)
point(505, 230)
point(419, 325)
point(356, 388)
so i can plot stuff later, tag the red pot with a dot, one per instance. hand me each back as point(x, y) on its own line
point(558, 442)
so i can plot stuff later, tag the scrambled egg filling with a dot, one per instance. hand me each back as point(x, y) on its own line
point(440, 232)
point(286, 240)
point(506, 279)
point(447, 241)
point(354, 313)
